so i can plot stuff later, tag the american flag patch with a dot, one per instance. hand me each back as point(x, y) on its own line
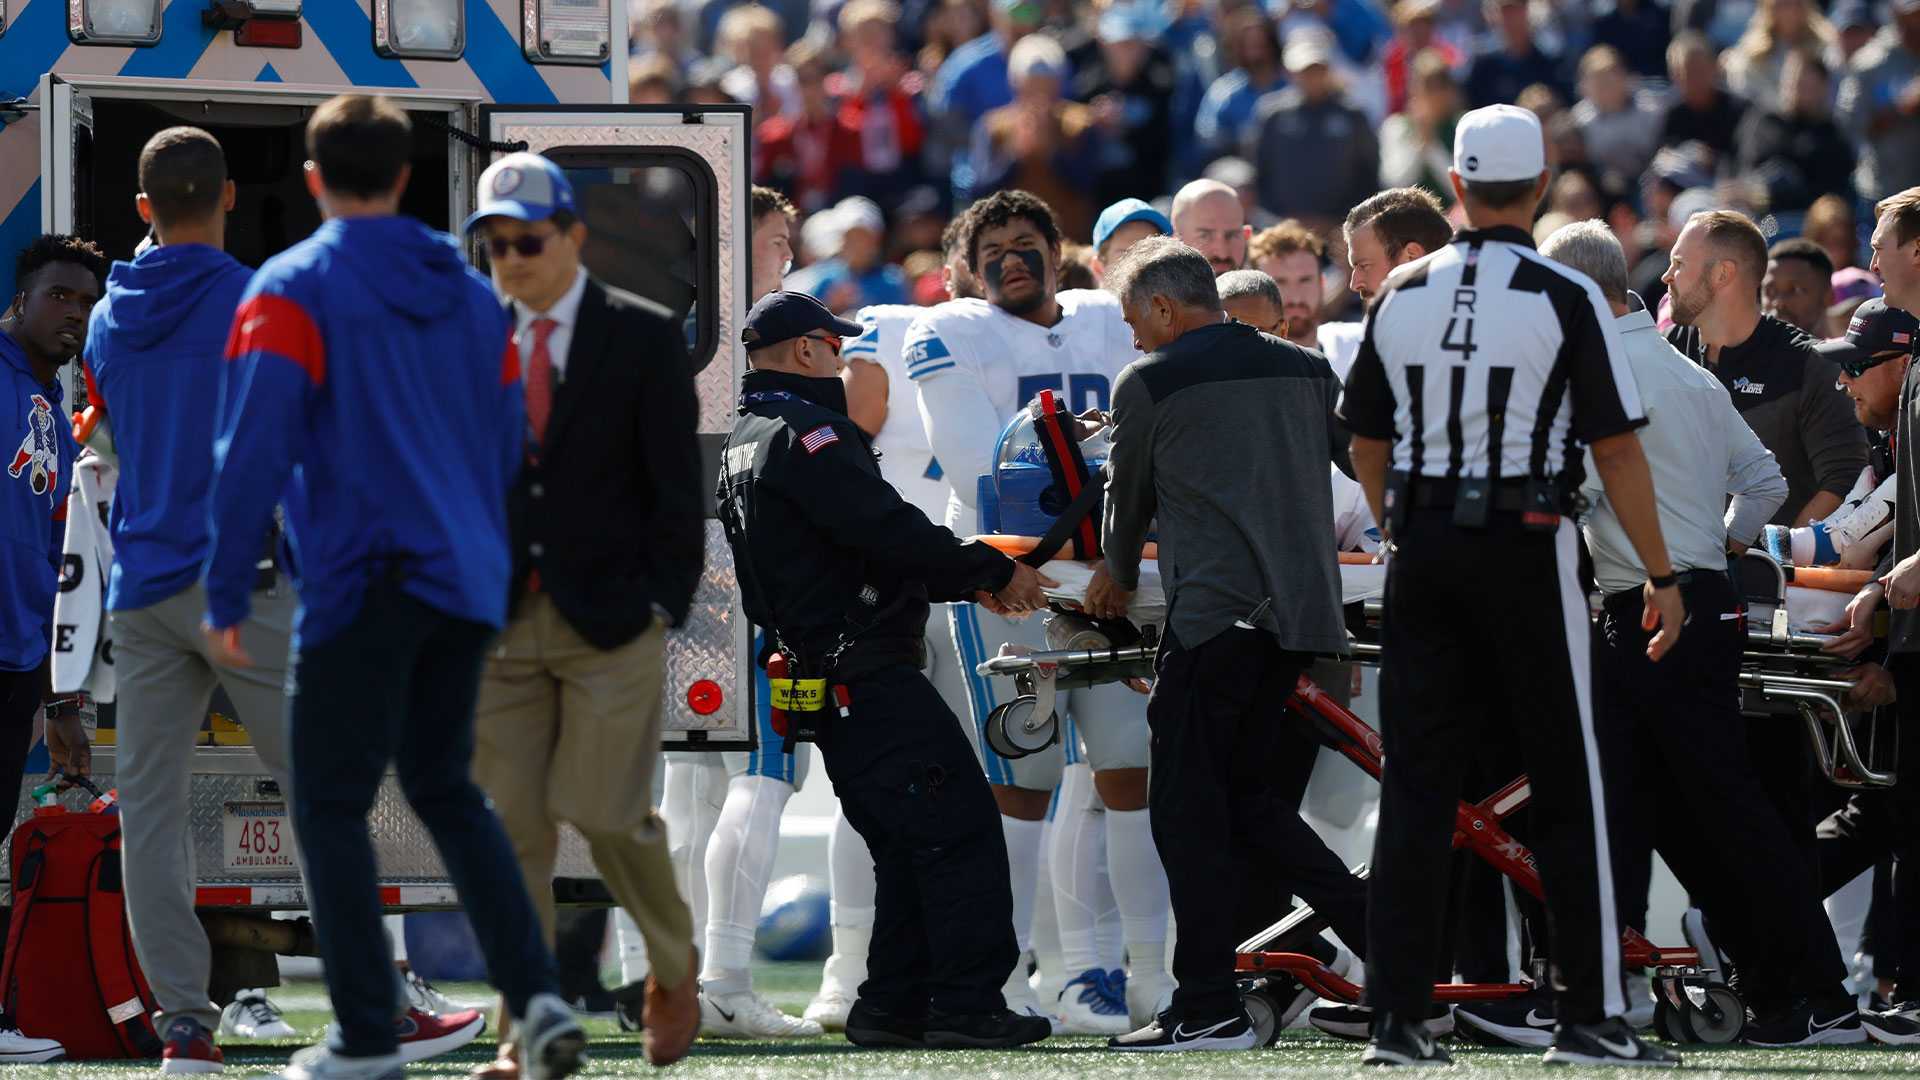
point(1902, 337)
point(819, 437)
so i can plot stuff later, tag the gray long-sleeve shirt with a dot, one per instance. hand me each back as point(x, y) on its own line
point(1700, 451)
point(1225, 436)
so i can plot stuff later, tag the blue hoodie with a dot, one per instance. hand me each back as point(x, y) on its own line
point(375, 393)
point(37, 438)
point(155, 351)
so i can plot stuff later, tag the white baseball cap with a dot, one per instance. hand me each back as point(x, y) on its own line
point(1499, 142)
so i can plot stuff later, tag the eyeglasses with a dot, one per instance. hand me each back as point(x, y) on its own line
point(527, 245)
point(830, 342)
point(1854, 367)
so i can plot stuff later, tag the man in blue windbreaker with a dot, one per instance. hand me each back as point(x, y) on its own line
point(45, 325)
point(373, 394)
point(154, 358)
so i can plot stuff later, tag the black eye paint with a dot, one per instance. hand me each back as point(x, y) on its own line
point(1036, 267)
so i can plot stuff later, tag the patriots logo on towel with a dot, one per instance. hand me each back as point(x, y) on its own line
point(817, 439)
point(38, 455)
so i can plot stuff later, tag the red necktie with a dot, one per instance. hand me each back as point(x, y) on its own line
point(540, 379)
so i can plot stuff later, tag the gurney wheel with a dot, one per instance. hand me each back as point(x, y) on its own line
point(1666, 1022)
point(1013, 732)
point(1719, 1020)
point(1265, 1013)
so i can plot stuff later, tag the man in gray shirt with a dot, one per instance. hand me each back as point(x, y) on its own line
point(1673, 730)
point(1223, 435)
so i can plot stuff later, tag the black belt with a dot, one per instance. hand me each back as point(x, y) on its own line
point(1686, 579)
point(1429, 494)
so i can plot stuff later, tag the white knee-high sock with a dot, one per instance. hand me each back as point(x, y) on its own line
point(1109, 936)
point(850, 880)
point(1023, 871)
point(739, 861)
point(1075, 848)
point(695, 791)
point(1139, 887)
point(1046, 927)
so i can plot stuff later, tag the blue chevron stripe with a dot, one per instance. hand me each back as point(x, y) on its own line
point(347, 34)
point(493, 51)
point(32, 43)
point(17, 230)
point(182, 40)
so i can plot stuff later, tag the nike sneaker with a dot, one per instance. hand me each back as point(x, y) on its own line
point(1833, 1022)
point(1355, 1022)
point(1608, 1043)
point(1397, 1042)
point(1168, 1033)
point(747, 1015)
point(1526, 1020)
point(1891, 1027)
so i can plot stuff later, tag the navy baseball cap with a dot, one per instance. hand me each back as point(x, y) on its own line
point(1124, 211)
point(1875, 329)
point(783, 316)
point(525, 187)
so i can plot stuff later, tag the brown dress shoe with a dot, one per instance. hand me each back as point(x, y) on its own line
point(504, 1066)
point(672, 1017)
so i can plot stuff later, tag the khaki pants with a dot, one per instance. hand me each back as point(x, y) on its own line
point(568, 732)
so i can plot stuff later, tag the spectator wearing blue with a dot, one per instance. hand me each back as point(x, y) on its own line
point(1359, 27)
point(378, 402)
point(1253, 49)
point(973, 82)
point(1511, 59)
point(858, 274)
point(1130, 81)
point(1121, 226)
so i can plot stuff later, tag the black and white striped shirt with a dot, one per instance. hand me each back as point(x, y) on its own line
point(1486, 359)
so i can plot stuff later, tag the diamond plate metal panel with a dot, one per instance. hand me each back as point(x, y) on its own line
point(704, 647)
point(402, 845)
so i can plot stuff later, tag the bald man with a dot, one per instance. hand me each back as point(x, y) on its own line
point(1208, 216)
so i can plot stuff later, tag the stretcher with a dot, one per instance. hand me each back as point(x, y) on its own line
point(1784, 671)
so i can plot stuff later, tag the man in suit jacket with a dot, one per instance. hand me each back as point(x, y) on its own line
point(607, 522)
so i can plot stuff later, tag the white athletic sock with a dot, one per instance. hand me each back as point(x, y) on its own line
point(1045, 932)
point(632, 948)
point(1109, 936)
point(850, 881)
point(739, 863)
point(1139, 887)
point(695, 789)
point(1075, 847)
point(1023, 870)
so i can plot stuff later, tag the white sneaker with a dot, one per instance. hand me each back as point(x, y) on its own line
point(1046, 985)
point(1089, 1007)
point(747, 1015)
point(829, 1008)
point(421, 995)
point(18, 1049)
point(1149, 993)
point(321, 1063)
point(1021, 1001)
point(251, 1016)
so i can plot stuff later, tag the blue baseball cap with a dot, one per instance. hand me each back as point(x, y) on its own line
point(783, 316)
point(1124, 211)
point(525, 187)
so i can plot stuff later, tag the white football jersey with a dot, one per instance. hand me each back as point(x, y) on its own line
point(906, 459)
point(975, 366)
point(1353, 528)
point(1340, 343)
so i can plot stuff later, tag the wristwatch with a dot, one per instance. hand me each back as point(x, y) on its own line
point(1663, 581)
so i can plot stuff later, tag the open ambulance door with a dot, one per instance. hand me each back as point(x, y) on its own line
point(66, 163)
point(664, 193)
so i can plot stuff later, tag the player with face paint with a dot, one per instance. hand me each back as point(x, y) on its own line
point(975, 364)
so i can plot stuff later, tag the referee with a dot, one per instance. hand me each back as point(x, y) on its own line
point(1483, 371)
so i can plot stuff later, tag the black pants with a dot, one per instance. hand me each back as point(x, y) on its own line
point(21, 695)
point(1676, 749)
point(1489, 618)
point(1875, 824)
point(912, 788)
point(1218, 720)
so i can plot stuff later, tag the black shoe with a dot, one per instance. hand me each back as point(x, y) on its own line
point(1168, 1032)
point(598, 1003)
point(1356, 1021)
point(980, 1031)
point(1400, 1042)
point(629, 1006)
point(1891, 1026)
point(873, 1027)
point(1609, 1042)
point(1526, 1020)
point(1834, 1022)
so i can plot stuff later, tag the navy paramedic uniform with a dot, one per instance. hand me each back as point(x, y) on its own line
point(840, 568)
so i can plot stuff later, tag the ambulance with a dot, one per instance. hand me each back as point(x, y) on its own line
point(663, 192)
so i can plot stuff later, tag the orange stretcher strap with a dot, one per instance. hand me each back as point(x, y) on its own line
point(1828, 578)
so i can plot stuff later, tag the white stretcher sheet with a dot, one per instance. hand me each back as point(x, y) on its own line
point(1357, 583)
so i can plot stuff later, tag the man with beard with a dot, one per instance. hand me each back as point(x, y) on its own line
point(1291, 254)
point(1208, 216)
point(1779, 382)
point(1394, 227)
point(977, 363)
point(59, 279)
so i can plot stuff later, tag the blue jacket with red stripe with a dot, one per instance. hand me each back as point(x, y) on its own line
point(153, 359)
point(37, 439)
point(373, 391)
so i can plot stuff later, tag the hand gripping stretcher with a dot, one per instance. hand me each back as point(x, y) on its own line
point(1784, 673)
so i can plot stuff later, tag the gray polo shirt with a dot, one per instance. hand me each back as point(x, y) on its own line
point(1700, 452)
point(1225, 436)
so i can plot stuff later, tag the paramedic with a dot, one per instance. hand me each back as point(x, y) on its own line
point(1260, 594)
point(59, 278)
point(606, 522)
point(393, 475)
point(839, 569)
point(1485, 361)
point(1671, 733)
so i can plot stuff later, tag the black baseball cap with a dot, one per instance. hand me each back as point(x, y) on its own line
point(783, 316)
point(1876, 329)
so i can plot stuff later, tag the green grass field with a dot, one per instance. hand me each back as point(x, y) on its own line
point(1300, 1054)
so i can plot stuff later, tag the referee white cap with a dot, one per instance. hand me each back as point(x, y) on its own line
point(1499, 142)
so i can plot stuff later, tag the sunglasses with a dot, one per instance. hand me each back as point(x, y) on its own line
point(526, 245)
point(1858, 366)
point(830, 342)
